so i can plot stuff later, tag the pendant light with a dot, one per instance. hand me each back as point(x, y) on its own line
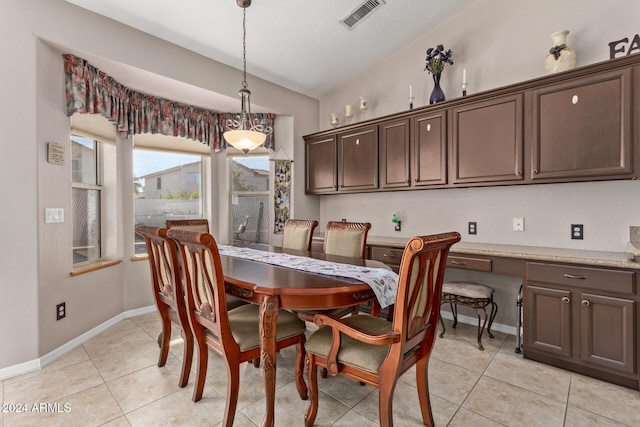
point(243, 133)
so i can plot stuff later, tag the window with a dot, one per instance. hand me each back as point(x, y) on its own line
point(86, 198)
point(167, 186)
point(250, 199)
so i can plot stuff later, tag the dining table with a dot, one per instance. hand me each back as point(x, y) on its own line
point(275, 287)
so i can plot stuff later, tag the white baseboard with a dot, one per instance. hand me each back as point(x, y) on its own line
point(34, 365)
point(510, 330)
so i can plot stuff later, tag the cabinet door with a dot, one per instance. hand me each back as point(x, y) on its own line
point(321, 175)
point(607, 331)
point(582, 128)
point(547, 320)
point(430, 149)
point(358, 159)
point(394, 154)
point(487, 141)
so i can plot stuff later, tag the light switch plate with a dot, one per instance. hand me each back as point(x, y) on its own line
point(53, 215)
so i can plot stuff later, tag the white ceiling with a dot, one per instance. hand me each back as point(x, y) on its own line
point(298, 44)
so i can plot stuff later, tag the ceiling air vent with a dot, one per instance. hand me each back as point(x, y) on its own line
point(361, 12)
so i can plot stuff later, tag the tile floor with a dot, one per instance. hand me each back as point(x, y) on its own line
point(112, 380)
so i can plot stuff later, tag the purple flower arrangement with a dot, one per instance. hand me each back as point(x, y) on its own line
point(437, 58)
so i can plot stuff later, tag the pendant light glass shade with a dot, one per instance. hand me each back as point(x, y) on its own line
point(242, 133)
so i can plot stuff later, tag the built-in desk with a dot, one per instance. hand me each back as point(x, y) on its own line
point(581, 308)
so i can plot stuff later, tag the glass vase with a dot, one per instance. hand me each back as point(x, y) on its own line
point(437, 95)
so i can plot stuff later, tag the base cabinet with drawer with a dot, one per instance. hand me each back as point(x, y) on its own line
point(582, 319)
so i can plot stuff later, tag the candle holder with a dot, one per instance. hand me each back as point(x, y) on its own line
point(464, 88)
point(335, 120)
point(411, 98)
point(363, 105)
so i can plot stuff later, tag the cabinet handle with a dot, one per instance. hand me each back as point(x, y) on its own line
point(454, 262)
point(585, 302)
point(535, 171)
point(565, 300)
point(387, 255)
point(429, 127)
point(358, 141)
point(519, 173)
point(574, 99)
point(572, 276)
point(406, 181)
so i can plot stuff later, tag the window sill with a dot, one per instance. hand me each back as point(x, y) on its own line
point(142, 257)
point(93, 267)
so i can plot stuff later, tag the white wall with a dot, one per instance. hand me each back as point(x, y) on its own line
point(35, 258)
point(499, 42)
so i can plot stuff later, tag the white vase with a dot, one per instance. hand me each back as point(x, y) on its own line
point(564, 59)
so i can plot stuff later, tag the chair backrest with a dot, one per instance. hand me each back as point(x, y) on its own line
point(165, 269)
point(417, 306)
point(203, 281)
point(200, 224)
point(298, 234)
point(348, 239)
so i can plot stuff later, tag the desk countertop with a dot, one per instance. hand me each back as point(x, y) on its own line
point(529, 253)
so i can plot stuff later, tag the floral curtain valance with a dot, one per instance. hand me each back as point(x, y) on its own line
point(89, 90)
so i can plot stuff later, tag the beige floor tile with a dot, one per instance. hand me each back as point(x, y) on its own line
point(125, 361)
point(123, 335)
point(53, 385)
point(76, 355)
point(513, 406)
point(92, 407)
point(577, 417)
point(150, 322)
point(343, 389)
point(354, 419)
point(466, 418)
point(142, 387)
point(177, 409)
point(609, 400)
point(290, 409)
point(251, 380)
point(118, 422)
point(448, 381)
point(406, 407)
point(240, 420)
point(463, 353)
point(533, 376)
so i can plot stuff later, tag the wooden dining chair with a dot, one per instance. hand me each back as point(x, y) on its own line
point(234, 334)
point(298, 234)
point(348, 239)
point(197, 224)
point(377, 351)
point(168, 294)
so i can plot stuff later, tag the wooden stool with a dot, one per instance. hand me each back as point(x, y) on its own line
point(471, 294)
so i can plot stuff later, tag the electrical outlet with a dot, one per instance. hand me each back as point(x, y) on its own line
point(518, 223)
point(473, 228)
point(577, 231)
point(398, 226)
point(61, 311)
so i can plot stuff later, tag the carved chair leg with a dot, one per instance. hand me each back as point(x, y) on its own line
point(324, 372)
point(385, 403)
point(164, 339)
point(312, 409)
point(187, 359)
point(233, 387)
point(300, 356)
point(494, 311)
point(201, 371)
point(422, 381)
point(481, 325)
point(256, 362)
point(454, 310)
point(443, 328)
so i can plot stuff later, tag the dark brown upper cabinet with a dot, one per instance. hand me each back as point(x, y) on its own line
point(321, 169)
point(394, 154)
point(430, 149)
point(581, 128)
point(358, 159)
point(487, 141)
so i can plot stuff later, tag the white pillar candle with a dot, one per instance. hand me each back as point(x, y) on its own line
point(348, 110)
point(410, 91)
point(464, 76)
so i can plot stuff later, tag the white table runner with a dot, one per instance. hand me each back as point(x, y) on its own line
point(383, 282)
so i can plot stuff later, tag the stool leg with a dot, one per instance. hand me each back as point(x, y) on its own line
point(442, 323)
point(492, 316)
point(454, 310)
point(481, 326)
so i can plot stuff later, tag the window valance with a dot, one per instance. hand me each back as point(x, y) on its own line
point(89, 90)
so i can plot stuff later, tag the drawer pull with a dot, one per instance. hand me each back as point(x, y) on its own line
point(573, 276)
point(454, 262)
point(566, 300)
point(389, 256)
point(585, 302)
